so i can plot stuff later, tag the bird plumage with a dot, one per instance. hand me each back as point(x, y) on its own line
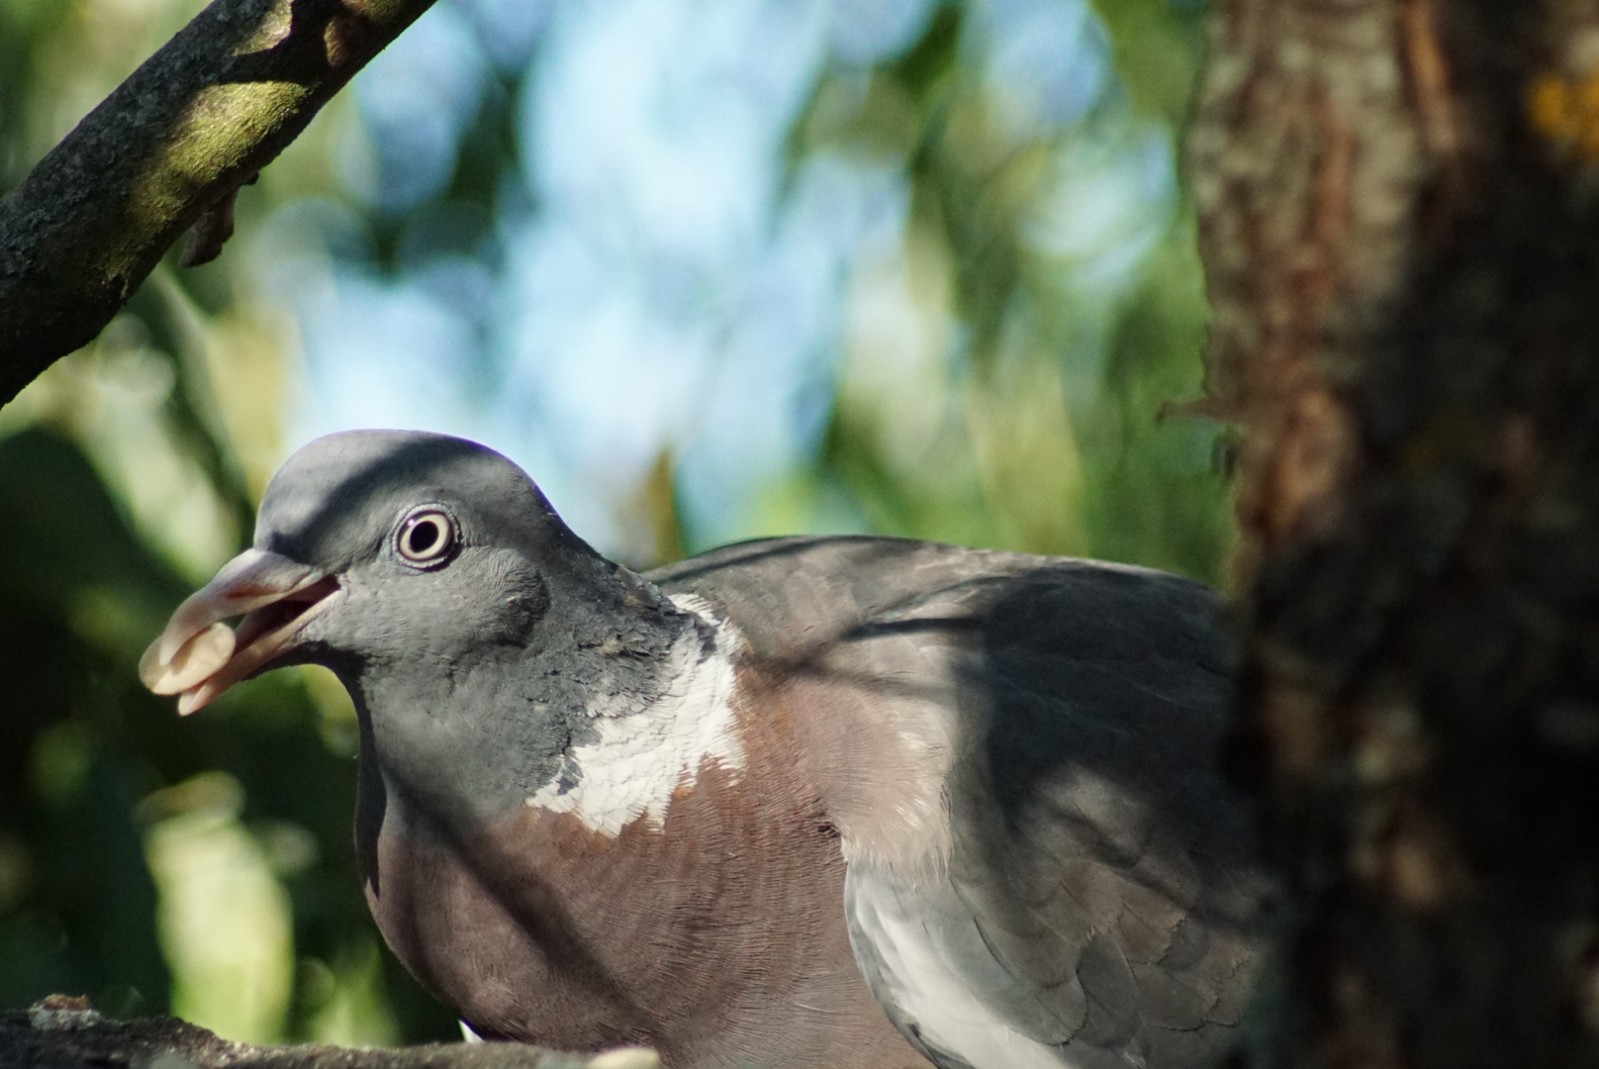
point(844, 802)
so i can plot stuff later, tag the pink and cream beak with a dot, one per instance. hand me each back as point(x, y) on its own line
point(199, 656)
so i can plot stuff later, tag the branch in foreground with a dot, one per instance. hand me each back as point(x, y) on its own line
point(64, 1033)
point(197, 120)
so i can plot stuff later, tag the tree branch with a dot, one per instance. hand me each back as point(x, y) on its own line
point(172, 143)
point(64, 1033)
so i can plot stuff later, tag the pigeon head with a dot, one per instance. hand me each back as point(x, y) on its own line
point(374, 548)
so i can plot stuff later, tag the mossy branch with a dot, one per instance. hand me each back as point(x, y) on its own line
point(166, 150)
point(65, 1033)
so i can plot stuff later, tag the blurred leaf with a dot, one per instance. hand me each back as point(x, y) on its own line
point(1156, 46)
point(223, 919)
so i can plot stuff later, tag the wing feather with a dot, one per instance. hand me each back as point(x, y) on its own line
point(1046, 869)
point(1099, 896)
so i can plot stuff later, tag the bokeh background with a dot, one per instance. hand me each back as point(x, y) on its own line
point(709, 269)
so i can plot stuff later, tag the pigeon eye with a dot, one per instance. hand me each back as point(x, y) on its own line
point(425, 537)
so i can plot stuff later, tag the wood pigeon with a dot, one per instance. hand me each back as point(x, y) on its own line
point(855, 803)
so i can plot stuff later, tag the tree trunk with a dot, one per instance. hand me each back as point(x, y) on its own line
point(1399, 211)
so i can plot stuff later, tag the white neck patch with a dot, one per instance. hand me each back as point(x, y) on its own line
point(641, 759)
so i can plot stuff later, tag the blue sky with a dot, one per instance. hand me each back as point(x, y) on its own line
point(655, 275)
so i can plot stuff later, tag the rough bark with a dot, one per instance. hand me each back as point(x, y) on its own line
point(64, 1033)
point(1399, 206)
point(166, 150)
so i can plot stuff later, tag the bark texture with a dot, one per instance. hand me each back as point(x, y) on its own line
point(1399, 208)
point(65, 1033)
point(169, 148)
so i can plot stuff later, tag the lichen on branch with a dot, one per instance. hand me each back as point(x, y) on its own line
point(169, 147)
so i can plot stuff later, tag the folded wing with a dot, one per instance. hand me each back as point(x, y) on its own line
point(1098, 902)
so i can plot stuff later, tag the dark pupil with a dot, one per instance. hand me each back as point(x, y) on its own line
point(424, 535)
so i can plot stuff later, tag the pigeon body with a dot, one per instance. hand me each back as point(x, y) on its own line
point(857, 803)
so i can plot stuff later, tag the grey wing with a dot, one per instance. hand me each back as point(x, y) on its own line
point(1099, 903)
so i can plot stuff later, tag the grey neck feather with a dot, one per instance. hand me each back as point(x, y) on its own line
point(462, 744)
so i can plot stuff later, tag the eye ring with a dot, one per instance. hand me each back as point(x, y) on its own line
point(426, 537)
